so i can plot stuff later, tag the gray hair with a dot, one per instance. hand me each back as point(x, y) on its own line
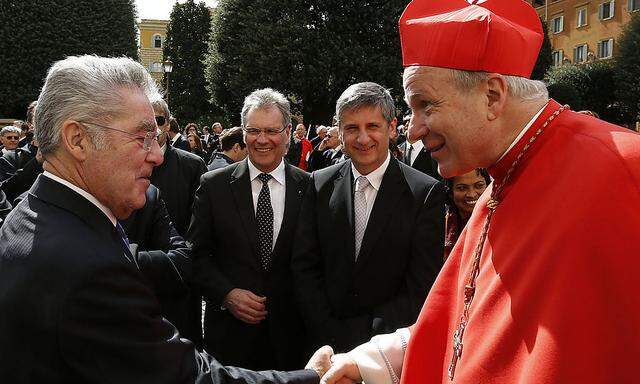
point(519, 87)
point(266, 98)
point(87, 88)
point(162, 106)
point(9, 129)
point(365, 94)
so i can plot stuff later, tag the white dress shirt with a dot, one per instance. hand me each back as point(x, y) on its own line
point(175, 138)
point(5, 151)
point(415, 151)
point(375, 179)
point(276, 192)
point(107, 212)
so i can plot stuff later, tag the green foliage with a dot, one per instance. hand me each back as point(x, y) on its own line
point(186, 46)
point(310, 50)
point(627, 69)
point(587, 86)
point(545, 59)
point(36, 33)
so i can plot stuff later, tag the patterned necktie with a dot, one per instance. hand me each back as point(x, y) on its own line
point(264, 219)
point(407, 157)
point(125, 241)
point(360, 210)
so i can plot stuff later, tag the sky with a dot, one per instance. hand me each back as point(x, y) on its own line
point(161, 9)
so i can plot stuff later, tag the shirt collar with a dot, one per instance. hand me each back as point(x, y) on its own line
point(84, 194)
point(417, 146)
point(278, 174)
point(175, 138)
point(5, 151)
point(524, 130)
point(375, 176)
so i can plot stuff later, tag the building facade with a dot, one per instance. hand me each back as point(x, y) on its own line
point(152, 35)
point(581, 30)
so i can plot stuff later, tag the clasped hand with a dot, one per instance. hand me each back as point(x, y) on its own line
point(246, 306)
point(334, 369)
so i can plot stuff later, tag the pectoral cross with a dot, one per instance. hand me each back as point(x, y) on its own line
point(457, 350)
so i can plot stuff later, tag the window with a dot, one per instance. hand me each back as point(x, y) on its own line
point(157, 41)
point(557, 24)
point(581, 17)
point(155, 67)
point(557, 57)
point(580, 54)
point(633, 5)
point(606, 10)
point(605, 48)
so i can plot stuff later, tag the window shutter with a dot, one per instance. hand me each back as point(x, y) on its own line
point(601, 11)
point(561, 23)
point(613, 8)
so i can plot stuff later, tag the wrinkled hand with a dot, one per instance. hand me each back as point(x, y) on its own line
point(246, 306)
point(321, 360)
point(344, 370)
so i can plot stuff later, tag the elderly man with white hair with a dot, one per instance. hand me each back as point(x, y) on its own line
point(75, 307)
point(9, 138)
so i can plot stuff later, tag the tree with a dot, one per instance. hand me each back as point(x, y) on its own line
point(587, 86)
point(36, 33)
point(545, 59)
point(186, 46)
point(627, 69)
point(308, 49)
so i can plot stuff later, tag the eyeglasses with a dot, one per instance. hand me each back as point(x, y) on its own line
point(250, 131)
point(147, 139)
point(12, 137)
point(160, 120)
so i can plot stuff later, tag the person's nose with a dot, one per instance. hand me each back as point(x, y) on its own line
point(155, 155)
point(363, 136)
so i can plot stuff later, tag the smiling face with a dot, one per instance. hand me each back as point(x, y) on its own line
point(365, 134)
point(10, 140)
point(467, 189)
point(451, 124)
point(118, 176)
point(266, 151)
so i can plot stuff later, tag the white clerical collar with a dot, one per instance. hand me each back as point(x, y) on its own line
point(524, 130)
point(84, 194)
point(417, 146)
point(278, 173)
point(375, 176)
point(175, 138)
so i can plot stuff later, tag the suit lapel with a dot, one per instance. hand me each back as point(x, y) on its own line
point(241, 189)
point(391, 190)
point(341, 207)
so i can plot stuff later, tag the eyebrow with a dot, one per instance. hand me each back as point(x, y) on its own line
point(146, 125)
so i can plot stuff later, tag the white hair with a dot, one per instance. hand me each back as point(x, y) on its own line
point(87, 88)
point(519, 87)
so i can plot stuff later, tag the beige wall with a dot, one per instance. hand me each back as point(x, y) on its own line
point(149, 54)
point(595, 30)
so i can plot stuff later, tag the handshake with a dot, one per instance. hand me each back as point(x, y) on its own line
point(334, 369)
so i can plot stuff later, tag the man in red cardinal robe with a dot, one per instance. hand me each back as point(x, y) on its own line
point(542, 286)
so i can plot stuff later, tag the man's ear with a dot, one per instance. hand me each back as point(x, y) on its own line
point(497, 91)
point(392, 125)
point(75, 140)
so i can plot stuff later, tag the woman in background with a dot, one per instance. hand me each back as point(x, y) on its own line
point(196, 146)
point(462, 195)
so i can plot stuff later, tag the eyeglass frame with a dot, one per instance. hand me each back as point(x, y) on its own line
point(147, 138)
point(266, 131)
point(14, 138)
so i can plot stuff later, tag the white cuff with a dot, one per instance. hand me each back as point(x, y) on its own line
point(380, 360)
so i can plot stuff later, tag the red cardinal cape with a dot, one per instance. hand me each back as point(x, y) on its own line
point(557, 298)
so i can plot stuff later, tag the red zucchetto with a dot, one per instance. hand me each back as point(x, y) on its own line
point(502, 36)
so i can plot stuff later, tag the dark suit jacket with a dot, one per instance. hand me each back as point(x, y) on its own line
point(423, 163)
point(178, 178)
point(165, 260)
point(75, 310)
point(345, 302)
point(322, 159)
point(18, 171)
point(223, 234)
point(181, 143)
